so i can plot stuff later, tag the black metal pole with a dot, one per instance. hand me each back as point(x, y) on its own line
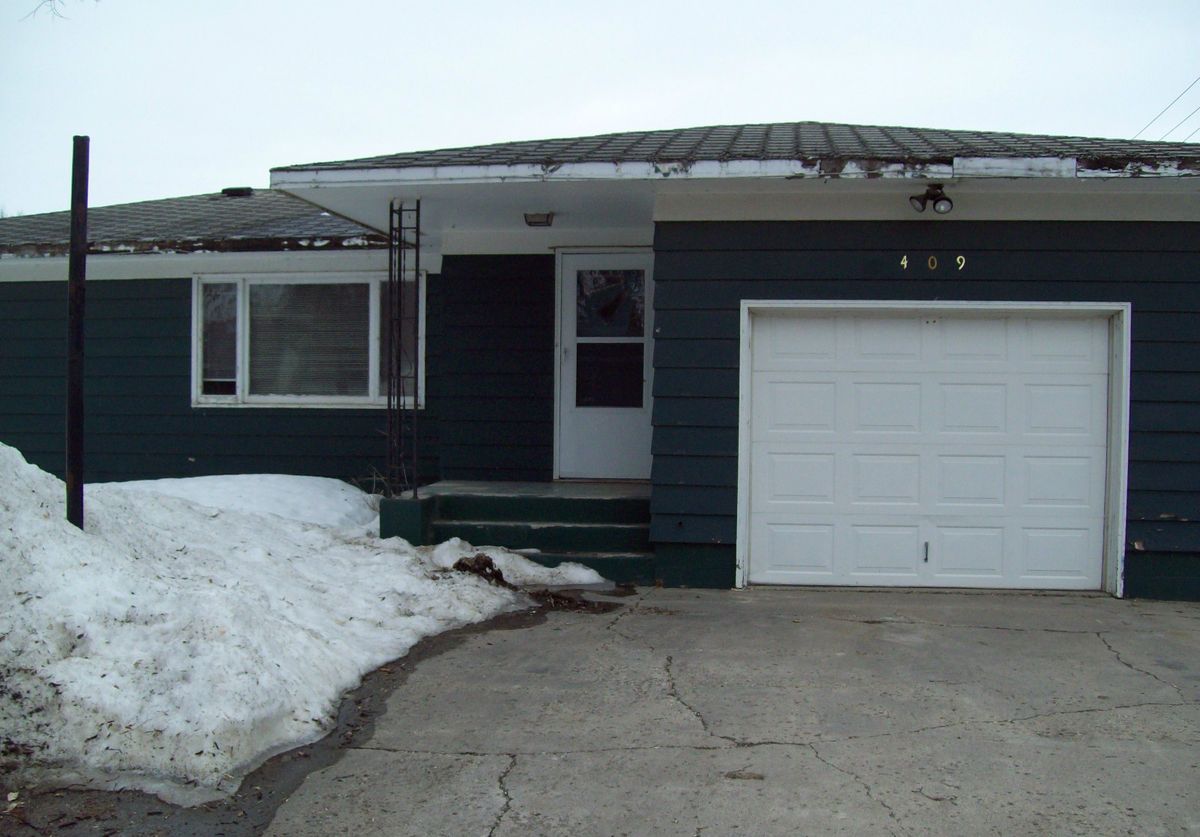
point(416, 330)
point(76, 274)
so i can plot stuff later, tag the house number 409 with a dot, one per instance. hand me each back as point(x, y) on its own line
point(932, 262)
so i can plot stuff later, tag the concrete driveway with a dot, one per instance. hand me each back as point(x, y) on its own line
point(774, 711)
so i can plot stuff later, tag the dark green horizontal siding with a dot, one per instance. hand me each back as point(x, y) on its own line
point(1156, 296)
point(704, 270)
point(490, 372)
point(1162, 575)
point(139, 420)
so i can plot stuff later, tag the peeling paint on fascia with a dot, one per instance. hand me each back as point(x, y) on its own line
point(1014, 166)
point(875, 170)
point(681, 168)
point(872, 169)
point(1137, 168)
point(834, 167)
point(320, 242)
point(358, 241)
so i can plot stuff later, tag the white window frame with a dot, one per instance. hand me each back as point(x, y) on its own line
point(376, 397)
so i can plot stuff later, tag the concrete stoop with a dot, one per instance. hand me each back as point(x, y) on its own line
point(602, 526)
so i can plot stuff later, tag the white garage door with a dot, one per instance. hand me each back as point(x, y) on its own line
point(928, 449)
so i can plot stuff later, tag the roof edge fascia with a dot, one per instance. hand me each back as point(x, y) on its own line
point(118, 266)
point(840, 168)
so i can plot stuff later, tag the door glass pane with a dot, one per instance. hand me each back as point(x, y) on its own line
point(309, 339)
point(219, 339)
point(608, 375)
point(610, 303)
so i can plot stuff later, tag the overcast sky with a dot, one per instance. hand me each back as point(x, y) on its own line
point(188, 96)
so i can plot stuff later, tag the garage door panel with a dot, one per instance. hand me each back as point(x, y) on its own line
point(967, 340)
point(1063, 482)
point(792, 478)
point(976, 408)
point(889, 341)
point(1059, 341)
point(792, 407)
point(799, 549)
point(974, 552)
point(790, 343)
point(1062, 555)
point(892, 479)
point(881, 406)
point(928, 450)
point(971, 480)
point(1058, 409)
point(893, 552)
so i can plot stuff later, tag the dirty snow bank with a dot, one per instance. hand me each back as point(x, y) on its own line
point(172, 647)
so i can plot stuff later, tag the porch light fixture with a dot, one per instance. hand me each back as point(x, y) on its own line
point(539, 219)
point(935, 193)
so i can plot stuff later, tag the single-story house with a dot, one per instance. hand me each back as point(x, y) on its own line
point(797, 353)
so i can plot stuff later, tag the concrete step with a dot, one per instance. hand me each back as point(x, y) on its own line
point(550, 509)
point(548, 537)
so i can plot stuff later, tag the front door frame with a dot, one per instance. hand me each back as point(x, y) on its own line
point(1117, 473)
point(559, 255)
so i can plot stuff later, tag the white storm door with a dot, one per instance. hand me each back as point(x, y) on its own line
point(605, 365)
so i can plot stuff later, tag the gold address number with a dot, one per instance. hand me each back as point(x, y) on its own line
point(932, 262)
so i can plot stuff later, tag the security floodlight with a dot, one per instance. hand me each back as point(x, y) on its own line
point(936, 194)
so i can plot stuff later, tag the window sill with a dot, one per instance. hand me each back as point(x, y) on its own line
point(296, 405)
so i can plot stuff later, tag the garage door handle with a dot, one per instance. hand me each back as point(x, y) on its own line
point(926, 552)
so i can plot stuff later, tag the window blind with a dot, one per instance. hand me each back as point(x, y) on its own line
point(309, 339)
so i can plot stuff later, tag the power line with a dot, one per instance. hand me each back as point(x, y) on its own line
point(1181, 121)
point(1192, 134)
point(1167, 108)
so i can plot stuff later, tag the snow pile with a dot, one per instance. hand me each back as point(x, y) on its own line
point(516, 568)
point(173, 647)
point(319, 500)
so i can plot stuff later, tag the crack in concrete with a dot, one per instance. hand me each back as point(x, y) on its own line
point(1100, 636)
point(953, 800)
point(673, 692)
point(628, 610)
point(859, 779)
point(512, 762)
point(771, 742)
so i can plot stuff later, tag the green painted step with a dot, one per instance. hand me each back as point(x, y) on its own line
point(618, 567)
point(526, 508)
point(549, 537)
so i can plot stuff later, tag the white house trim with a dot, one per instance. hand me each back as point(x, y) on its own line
point(106, 267)
point(1007, 167)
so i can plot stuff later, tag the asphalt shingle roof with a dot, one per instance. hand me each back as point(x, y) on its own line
point(779, 141)
point(262, 219)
